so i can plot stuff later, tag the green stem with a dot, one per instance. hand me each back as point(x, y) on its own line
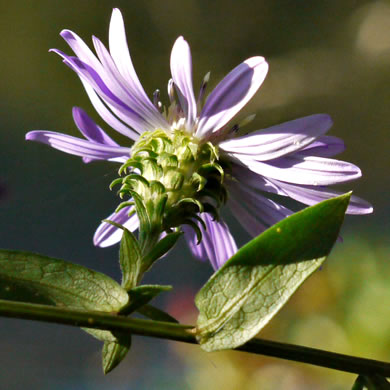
point(184, 333)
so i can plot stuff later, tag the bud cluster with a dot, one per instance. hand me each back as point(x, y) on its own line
point(171, 177)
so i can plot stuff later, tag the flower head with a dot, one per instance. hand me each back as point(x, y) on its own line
point(190, 153)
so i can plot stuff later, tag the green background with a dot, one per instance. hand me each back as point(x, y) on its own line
point(325, 56)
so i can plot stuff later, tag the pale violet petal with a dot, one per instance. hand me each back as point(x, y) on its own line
point(121, 56)
point(107, 234)
point(77, 146)
point(82, 51)
point(181, 70)
point(217, 243)
point(247, 220)
point(324, 146)
point(118, 106)
point(107, 115)
point(302, 170)
point(231, 95)
point(280, 140)
point(311, 195)
point(105, 71)
point(267, 211)
point(198, 251)
point(121, 88)
point(251, 179)
point(90, 129)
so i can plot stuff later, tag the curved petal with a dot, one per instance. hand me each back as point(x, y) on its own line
point(263, 209)
point(217, 243)
point(197, 250)
point(280, 140)
point(303, 170)
point(107, 115)
point(107, 234)
point(82, 51)
point(231, 95)
point(246, 219)
point(251, 179)
point(118, 106)
point(181, 69)
point(124, 91)
point(311, 195)
point(121, 56)
point(90, 129)
point(325, 146)
point(78, 146)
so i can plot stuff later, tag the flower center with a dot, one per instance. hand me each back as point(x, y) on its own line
point(175, 176)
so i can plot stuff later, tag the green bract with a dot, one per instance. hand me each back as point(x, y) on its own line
point(172, 176)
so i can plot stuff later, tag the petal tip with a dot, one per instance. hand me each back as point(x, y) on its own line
point(67, 34)
point(30, 136)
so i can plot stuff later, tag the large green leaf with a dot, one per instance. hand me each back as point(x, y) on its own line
point(251, 287)
point(31, 277)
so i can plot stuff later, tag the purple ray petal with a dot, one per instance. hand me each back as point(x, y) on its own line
point(251, 179)
point(265, 210)
point(106, 114)
point(121, 56)
point(124, 91)
point(252, 225)
point(78, 146)
point(217, 243)
point(311, 195)
point(325, 146)
point(181, 69)
point(90, 129)
point(280, 140)
point(107, 234)
point(303, 170)
point(120, 108)
point(198, 251)
point(231, 94)
point(82, 51)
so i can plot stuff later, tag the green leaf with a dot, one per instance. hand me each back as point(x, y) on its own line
point(161, 248)
point(141, 295)
point(371, 382)
point(251, 287)
point(130, 257)
point(115, 351)
point(156, 314)
point(35, 278)
point(130, 260)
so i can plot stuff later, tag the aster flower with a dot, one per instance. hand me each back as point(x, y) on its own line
point(290, 160)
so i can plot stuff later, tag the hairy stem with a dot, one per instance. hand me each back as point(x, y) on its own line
point(185, 333)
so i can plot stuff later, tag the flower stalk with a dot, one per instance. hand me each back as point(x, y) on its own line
point(186, 334)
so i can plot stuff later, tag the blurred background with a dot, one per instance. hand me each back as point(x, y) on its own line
point(325, 56)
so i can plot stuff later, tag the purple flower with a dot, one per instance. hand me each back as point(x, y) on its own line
point(290, 160)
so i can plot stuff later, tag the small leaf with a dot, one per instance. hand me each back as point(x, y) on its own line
point(359, 384)
point(130, 260)
point(31, 277)
point(141, 295)
point(161, 248)
point(156, 314)
point(251, 287)
point(371, 382)
point(115, 351)
point(100, 334)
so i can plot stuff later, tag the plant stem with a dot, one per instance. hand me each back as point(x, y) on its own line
point(185, 333)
